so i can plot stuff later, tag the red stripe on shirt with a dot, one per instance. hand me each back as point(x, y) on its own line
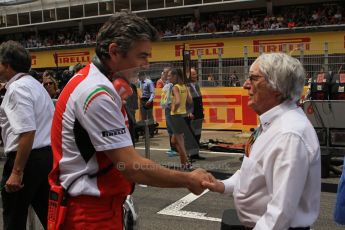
point(56, 131)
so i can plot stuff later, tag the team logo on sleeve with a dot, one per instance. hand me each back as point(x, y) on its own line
point(113, 132)
point(94, 94)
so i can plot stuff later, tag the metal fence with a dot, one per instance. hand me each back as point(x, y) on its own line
point(222, 69)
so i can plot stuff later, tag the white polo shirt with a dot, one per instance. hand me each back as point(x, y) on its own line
point(26, 106)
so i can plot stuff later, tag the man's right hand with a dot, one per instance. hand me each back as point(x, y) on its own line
point(214, 186)
point(196, 178)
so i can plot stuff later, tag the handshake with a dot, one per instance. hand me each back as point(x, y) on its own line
point(200, 179)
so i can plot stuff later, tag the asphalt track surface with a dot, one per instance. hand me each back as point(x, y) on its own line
point(171, 209)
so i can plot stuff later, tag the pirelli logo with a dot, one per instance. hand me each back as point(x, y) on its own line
point(33, 60)
point(113, 132)
point(204, 49)
point(74, 57)
point(277, 45)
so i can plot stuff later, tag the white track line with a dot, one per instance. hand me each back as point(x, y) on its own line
point(208, 152)
point(175, 209)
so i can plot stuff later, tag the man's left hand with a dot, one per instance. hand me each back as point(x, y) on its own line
point(14, 183)
point(149, 103)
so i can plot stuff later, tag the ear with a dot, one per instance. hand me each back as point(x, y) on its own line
point(112, 50)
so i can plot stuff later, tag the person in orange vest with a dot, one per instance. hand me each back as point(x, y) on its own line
point(164, 77)
point(95, 165)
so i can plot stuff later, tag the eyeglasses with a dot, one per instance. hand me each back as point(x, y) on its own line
point(48, 83)
point(254, 78)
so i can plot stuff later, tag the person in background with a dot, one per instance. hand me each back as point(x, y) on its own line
point(279, 183)
point(26, 115)
point(131, 107)
point(180, 97)
point(51, 86)
point(166, 105)
point(90, 137)
point(36, 75)
point(211, 82)
point(196, 116)
point(234, 81)
point(146, 100)
point(48, 73)
point(77, 67)
point(162, 81)
point(339, 211)
point(65, 77)
point(2, 95)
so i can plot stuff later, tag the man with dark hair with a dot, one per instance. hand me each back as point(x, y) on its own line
point(25, 117)
point(94, 158)
point(147, 89)
point(195, 116)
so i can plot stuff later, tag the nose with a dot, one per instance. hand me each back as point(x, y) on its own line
point(246, 84)
point(145, 64)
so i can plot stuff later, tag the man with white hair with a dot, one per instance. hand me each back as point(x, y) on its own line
point(279, 183)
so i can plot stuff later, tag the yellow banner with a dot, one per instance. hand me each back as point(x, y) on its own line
point(313, 43)
point(225, 108)
point(64, 58)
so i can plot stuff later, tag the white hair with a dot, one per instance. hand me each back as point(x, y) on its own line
point(284, 74)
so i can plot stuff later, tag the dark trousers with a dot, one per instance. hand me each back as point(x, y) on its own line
point(191, 144)
point(35, 191)
point(131, 129)
point(147, 114)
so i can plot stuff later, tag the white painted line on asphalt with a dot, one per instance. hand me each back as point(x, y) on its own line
point(175, 209)
point(208, 152)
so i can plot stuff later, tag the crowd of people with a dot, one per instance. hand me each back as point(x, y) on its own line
point(254, 20)
point(82, 154)
point(229, 21)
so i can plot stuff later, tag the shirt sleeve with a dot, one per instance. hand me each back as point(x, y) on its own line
point(104, 122)
point(152, 91)
point(20, 110)
point(339, 211)
point(230, 183)
point(289, 176)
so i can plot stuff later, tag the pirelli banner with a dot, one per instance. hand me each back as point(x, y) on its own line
point(64, 58)
point(312, 43)
point(225, 108)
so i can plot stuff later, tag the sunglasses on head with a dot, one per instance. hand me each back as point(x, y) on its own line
point(48, 83)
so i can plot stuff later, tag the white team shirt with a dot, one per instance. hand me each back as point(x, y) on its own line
point(26, 106)
point(279, 185)
point(92, 117)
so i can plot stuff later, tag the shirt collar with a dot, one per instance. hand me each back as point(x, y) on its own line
point(269, 116)
point(14, 78)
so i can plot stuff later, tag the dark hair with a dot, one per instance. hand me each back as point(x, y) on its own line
point(77, 67)
point(180, 76)
point(124, 29)
point(48, 72)
point(15, 55)
point(35, 75)
point(65, 76)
